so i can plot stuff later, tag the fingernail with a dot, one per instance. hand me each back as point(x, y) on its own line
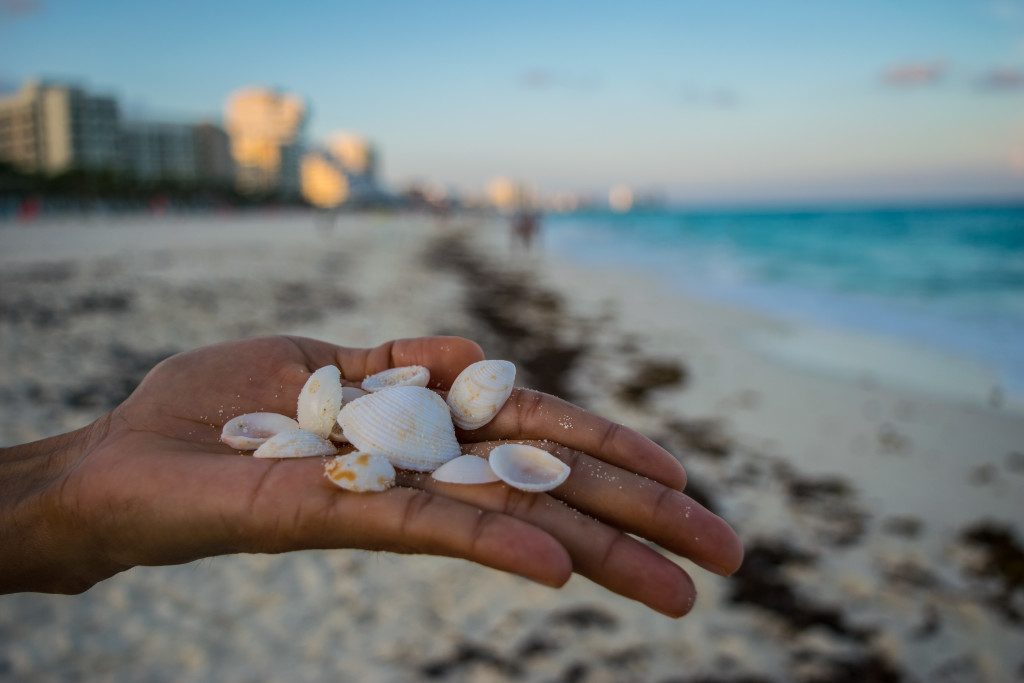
point(684, 608)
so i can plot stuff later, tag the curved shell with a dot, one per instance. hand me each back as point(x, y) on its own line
point(361, 472)
point(527, 468)
point(295, 443)
point(351, 394)
point(320, 401)
point(465, 469)
point(410, 426)
point(407, 376)
point(249, 431)
point(479, 392)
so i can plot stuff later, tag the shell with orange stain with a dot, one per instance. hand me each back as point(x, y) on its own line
point(360, 472)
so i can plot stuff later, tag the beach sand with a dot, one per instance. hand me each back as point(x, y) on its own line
point(876, 486)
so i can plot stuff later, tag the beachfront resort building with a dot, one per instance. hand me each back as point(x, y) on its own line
point(265, 130)
point(344, 170)
point(190, 154)
point(53, 127)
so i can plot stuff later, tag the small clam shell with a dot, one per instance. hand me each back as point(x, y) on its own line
point(249, 431)
point(527, 468)
point(320, 401)
point(479, 392)
point(407, 376)
point(465, 469)
point(352, 393)
point(295, 443)
point(361, 472)
point(410, 426)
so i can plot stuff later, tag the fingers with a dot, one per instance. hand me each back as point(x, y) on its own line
point(643, 507)
point(599, 552)
point(291, 506)
point(534, 415)
point(639, 506)
point(445, 357)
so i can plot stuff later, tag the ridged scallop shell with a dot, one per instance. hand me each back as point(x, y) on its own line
point(527, 468)
point(406, 376)
point(410, 426)
point(465, 469)
point(249, 431)
point(479, 392)
point(361, 472)
point(295, 443)
point(320, 400)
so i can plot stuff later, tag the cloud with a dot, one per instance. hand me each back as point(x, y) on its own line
point(708, 96)
point(1002, 80)
point(914, 73)
point(550, 79)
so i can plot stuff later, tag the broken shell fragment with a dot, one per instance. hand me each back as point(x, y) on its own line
point(527, 468)
point(480, 391)
point(295, 443)
point(337, 434)
point(320, 401)
point(407, 376)
point(249, 431)
point(410, 426)
point(361, 472)
point(465, 469)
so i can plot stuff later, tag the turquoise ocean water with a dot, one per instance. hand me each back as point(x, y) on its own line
point(952, 278)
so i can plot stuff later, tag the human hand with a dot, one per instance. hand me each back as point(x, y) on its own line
point(151, 484)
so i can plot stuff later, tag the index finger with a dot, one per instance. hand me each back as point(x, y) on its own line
point(534, 415)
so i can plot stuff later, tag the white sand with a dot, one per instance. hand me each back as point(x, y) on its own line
point(913, 434)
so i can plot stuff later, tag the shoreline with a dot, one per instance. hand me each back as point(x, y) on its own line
point(976, 337)
point(874, 518)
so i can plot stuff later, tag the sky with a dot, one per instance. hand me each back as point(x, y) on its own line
point(731, 101)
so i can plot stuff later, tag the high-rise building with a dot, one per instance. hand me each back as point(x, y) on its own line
point(155, 152)
point(53, 127)
point(265, 130)
point(355, 154)
point(214, 165)
point(175, 152)
point(344, 170)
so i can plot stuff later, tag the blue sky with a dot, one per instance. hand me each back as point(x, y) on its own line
point(703, 101)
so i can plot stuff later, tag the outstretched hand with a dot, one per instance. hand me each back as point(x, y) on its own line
point(151, 484)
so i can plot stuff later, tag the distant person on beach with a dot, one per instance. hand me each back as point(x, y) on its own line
point(151, 484)
point(524, 226)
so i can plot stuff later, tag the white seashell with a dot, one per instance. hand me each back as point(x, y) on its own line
point(320, 401)
point(351, 394)
point(249, 431)
point(407, 376)
point(295, 443)
point(347, 394)
point(527, 468)
point(410, 426)
point(361, 472)
point(465, 469)
point(479, 392)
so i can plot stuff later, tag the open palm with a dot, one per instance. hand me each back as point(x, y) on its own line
point(151, 483)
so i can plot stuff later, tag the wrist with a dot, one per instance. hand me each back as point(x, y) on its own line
point(37, 552)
